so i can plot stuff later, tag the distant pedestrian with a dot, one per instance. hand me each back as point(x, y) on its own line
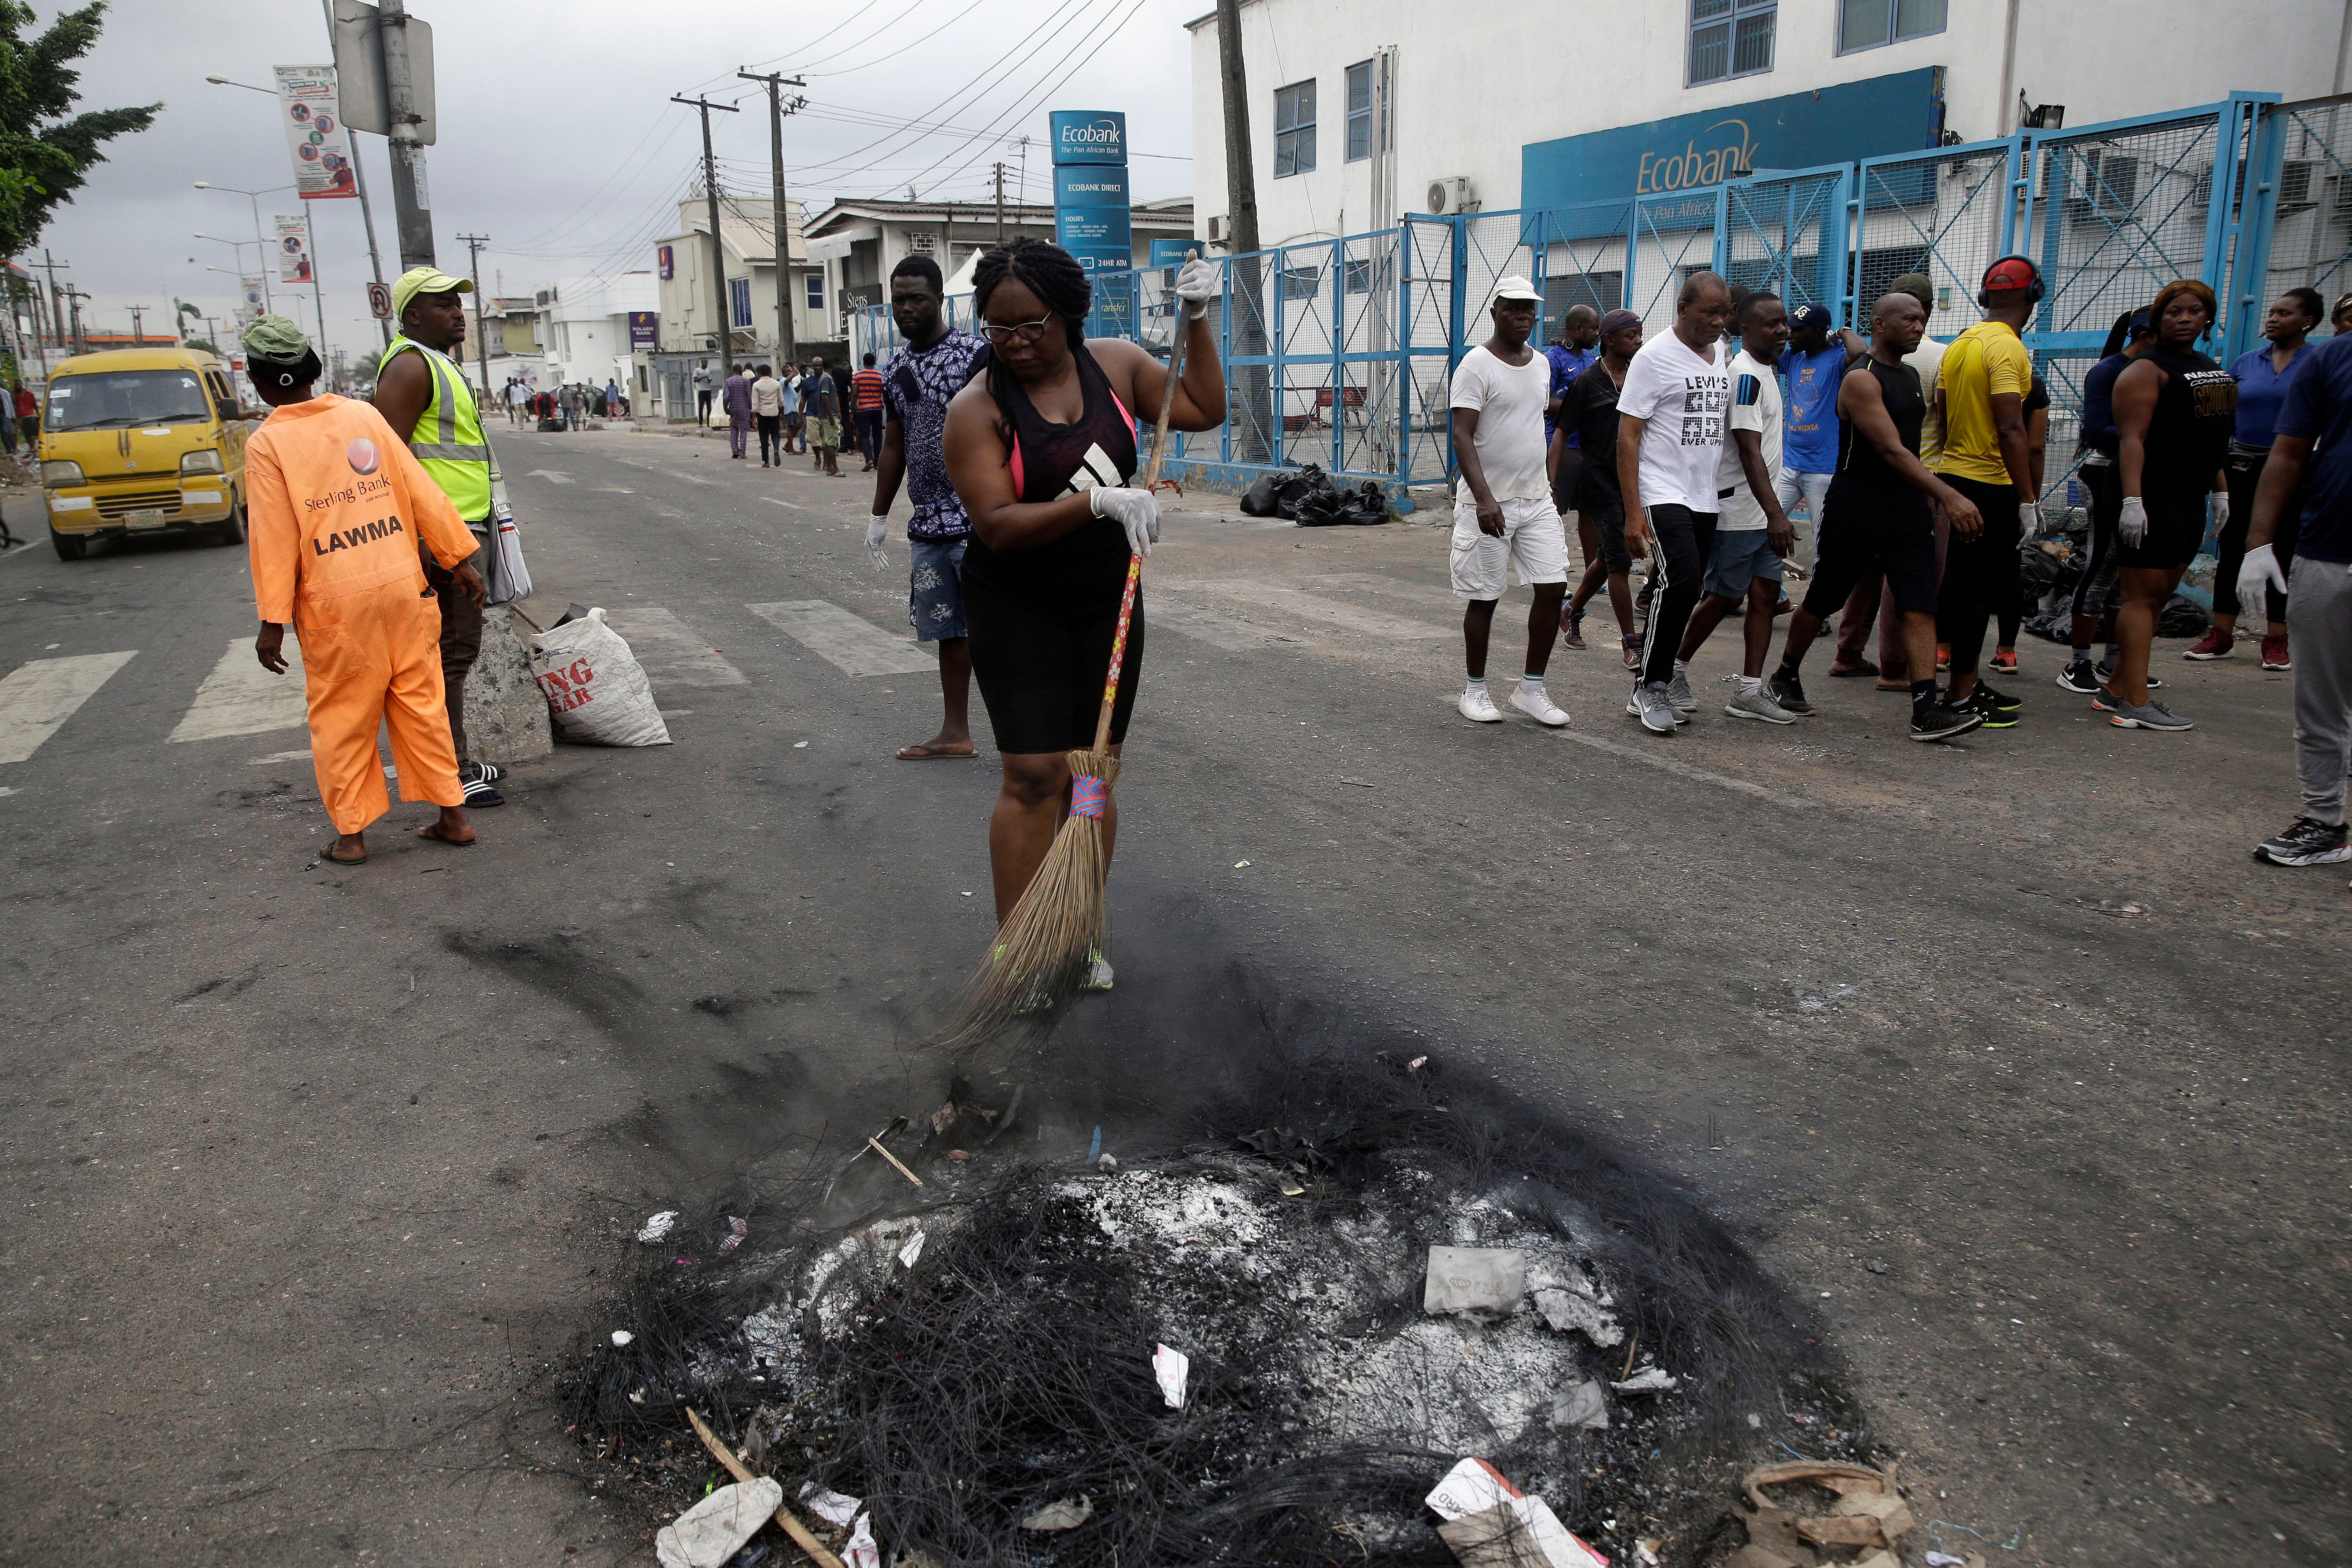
point(737, 397)
point(923, 379)
point(768, 411)
point(791, 381)
point(1870, 603)
point(702, 392)
point(1812, 365)
point(1504, 518)
point(1572, 356)
point(823, 420)
point(865, 407)
point(2175, 409)
point(2263, 375)
point(2097, 589)
point(29, 416)
point(1669, 445)
point(612, 397)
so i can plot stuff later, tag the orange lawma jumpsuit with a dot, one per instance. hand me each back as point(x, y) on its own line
point(337, 508)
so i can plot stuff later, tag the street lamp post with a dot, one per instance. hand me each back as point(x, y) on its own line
point(317, 289)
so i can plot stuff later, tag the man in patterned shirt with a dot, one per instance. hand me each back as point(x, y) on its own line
point(916, 387)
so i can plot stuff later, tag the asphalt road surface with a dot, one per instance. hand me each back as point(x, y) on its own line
point(2004, 1054)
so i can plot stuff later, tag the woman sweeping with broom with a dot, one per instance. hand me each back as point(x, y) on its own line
point(1041, 447)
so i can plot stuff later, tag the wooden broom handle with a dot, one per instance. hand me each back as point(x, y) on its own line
point(1135, 562)
point(808, 1543)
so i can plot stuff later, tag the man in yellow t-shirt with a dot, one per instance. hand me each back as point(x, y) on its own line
point(1980, 408)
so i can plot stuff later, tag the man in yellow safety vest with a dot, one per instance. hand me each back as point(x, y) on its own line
point(422, 393)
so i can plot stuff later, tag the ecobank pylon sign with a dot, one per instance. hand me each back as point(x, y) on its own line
point(1092, 214)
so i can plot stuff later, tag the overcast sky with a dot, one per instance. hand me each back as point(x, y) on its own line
point(556, 136)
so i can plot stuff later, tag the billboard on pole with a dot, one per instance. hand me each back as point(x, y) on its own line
point(294, 247)
point(252, 299)
point(313, 116)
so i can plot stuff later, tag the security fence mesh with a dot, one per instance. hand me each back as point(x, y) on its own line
point(1947, 214)
point(2311, 218)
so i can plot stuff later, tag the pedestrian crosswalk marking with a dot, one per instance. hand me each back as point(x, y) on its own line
point(240, 698)
point(1297, 602)
point(36, 699)
point(672, 654)
point(1207, 626)
point(771, 500)
point(850, 643)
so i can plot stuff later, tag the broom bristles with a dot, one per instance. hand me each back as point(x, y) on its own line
point(1041, 950)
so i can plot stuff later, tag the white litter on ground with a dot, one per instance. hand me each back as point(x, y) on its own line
point(658, 1228)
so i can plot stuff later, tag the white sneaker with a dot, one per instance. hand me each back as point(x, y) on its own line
point(1537, 704)
point(1477, 706)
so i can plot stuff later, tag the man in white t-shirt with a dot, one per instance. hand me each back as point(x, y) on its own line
point(1753, 532)
point(1503, 514)
point(1669, 446)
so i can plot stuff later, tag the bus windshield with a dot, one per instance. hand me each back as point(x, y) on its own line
point(115, 399)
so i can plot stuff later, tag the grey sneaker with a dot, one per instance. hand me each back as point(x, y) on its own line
point(2154, 716)
point(1756, 705)
point(1650, 705)
point(1678, 693)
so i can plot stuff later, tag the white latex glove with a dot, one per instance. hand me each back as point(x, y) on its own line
point(2028, 519)
point(1197, 283)
point(2133, 527)
point(2220, 511)
point(1138, 511)
point(877, 528)
point(2259, 572)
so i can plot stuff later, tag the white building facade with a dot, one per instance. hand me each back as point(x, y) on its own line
point(584, 329)
point(1361, 111)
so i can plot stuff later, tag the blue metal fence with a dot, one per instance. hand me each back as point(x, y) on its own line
point(1339, 351)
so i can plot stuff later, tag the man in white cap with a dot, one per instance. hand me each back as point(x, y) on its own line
point(1504, 519)
point(422, 392)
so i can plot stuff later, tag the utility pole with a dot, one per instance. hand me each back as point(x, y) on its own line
point(474, 243)
point(787, 347)
point(1000, 203)
point(56, 321)
point(359, 184)
point(138, 326)
point(1249, 443)
point(74, 297)
point(718, 247)
point(412, 196)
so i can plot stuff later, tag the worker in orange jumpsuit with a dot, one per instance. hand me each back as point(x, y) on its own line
point(336, 507)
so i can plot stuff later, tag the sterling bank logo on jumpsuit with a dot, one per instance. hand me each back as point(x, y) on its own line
point(370, 483)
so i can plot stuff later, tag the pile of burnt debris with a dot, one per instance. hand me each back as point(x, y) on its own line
point(1381, 1323)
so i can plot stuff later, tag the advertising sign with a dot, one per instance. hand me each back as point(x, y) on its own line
point(252, 296)
point(307, 103)
point(645, 331)
point(1092, 216)
point(294, 247)
point(1173, 252)
point(667, 260)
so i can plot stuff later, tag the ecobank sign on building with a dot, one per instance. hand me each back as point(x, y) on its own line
point(1839, 124)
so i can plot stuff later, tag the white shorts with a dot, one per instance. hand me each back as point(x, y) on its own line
point(1534, 544)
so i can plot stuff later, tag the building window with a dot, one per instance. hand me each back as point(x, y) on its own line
point(1356, 277)
point(815, 282)
point(1730, 38)
point(1294, 129)
point(1866, 24)
point(738, 299)
point(1301, 282)
point(1359, 111)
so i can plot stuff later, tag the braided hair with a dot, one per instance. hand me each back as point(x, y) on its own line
point(1047, 270)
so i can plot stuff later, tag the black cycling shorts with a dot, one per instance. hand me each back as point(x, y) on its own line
point(1858, 528)
point(1040, 661)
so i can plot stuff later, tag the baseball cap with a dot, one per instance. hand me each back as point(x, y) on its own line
point(1809, 316)
point(1516, 288)
point(2009, 272)
point(1918, 284)
point(275, 339)
point(424, 281)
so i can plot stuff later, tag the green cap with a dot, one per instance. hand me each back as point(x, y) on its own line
point(424, 281)
point(275, 339)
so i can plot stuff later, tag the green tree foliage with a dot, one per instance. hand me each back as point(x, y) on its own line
point(46, 150)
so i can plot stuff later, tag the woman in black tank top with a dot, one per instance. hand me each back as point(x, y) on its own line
point(1041, 447)
point(2175, 409)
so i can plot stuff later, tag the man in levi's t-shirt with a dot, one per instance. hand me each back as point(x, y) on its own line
point(1503, 513)
point(1669, 449)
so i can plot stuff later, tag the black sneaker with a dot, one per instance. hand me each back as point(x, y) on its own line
point(2107, 673)
point(2001, 700)
point(2306, 842)
point(1788, 691)
point(2079, 676)
point(1985, 702)
point(1938, 722)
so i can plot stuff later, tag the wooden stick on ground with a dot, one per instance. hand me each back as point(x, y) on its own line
point(875, 1145)
point(808, 1543)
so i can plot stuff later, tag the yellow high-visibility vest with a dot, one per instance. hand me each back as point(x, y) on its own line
point(448, 439)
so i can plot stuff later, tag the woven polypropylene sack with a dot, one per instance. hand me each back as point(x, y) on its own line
point(596, 690)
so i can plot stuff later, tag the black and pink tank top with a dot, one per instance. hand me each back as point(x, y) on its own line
point(1050, 460)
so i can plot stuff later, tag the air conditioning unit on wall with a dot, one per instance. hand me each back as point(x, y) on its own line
point(1216, 228)
point(1452, 194)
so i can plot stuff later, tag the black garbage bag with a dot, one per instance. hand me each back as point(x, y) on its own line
point(1292, 490)
point(2052, 624)
point(2183, 617)
point(2037, 569)
point(1259, 501)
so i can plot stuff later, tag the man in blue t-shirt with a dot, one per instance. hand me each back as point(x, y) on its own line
point(1578, 347)
point(2318, 412)
point(1811, 367)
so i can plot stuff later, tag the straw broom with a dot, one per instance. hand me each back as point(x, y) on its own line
point(1041, 952)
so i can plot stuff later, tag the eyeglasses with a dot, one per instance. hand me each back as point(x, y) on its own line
point(1027, 332)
